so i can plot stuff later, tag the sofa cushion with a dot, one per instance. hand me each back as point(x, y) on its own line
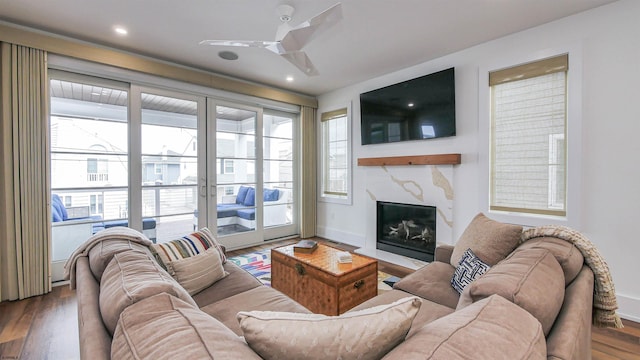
point(490, 240)
point(250, 199)
point(165, 327)
point(132, 276)
point(101, 254)
point(429, 310)
point(529, 278)
point(259, 298)
point(364, 334)
point(469, 269)
point(238, 281)
point(58, 210)
point(242, 194)
point(197, 272)
point(569, 257)
point(188, 245)
point(271, 194)
point(493, 328)
point(431, 282)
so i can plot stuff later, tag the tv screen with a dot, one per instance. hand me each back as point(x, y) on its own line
point(417, 109)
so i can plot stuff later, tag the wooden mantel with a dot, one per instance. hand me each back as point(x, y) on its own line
point(440, 159)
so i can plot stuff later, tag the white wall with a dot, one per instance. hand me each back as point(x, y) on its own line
point(606, 40)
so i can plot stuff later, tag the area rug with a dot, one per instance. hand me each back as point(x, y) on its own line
point(258, 264)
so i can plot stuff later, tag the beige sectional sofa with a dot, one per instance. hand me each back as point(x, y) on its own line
point(534, 302)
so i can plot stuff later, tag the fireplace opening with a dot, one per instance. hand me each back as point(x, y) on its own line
point(406, 229)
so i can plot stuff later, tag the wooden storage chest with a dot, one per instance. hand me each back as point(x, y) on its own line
point(319, 282)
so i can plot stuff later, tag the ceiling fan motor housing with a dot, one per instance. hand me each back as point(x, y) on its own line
point(285, 12)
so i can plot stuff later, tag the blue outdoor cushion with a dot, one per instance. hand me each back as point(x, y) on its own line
point(249, 214)
point(250, 200)
point(228, 210)
point(58, 211)
point(242, 194)
point(271, 194)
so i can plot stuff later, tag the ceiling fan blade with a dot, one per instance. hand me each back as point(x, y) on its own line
point(240, 43)
point(301, 61)
point(300, 35)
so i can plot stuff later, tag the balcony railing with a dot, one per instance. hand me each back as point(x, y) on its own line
point(97, 177)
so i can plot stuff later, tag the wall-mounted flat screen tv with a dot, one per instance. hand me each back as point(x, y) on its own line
point(417, 109)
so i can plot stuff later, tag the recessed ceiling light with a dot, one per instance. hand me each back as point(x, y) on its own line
point(228, 55)
point(120, 30)
point(410, 104)
point(289, 78)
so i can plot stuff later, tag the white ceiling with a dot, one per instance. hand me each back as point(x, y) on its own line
point(375, 37)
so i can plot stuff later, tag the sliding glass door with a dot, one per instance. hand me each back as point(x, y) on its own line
point(89, 161)
point(166, 163)
point(253, 179)
point(169, 162)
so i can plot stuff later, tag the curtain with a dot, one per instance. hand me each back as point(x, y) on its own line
point(308, 173)
point(24, 174)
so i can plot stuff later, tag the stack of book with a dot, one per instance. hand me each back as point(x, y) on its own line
point(305, 246)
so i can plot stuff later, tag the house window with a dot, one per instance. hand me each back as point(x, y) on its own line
point(96, 204)
point(528, 138)
point(158, 169)
point(335, 154)
point(97, 169)
point(228, 166)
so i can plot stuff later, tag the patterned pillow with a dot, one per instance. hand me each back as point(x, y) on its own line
point(187, 246)
point(469, 269)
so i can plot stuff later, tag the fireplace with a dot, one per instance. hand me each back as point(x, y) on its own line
point(406, 229)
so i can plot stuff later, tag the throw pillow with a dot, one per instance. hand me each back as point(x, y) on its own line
point(188, 245)
point(242, 194)
point(250, 200)
point(363, 334)
point(469, 269)
point(198, 272)
point(491, 240)
point(271, 194)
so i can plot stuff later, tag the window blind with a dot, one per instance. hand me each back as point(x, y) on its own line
point(528, 137)
point(335, 152)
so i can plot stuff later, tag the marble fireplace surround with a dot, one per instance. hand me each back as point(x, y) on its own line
point(410, 182)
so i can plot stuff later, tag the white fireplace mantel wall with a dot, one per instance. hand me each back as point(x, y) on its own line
point(428, 185)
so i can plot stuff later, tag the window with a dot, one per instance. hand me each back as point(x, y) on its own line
point(229, 166)
point(96, 204)
point(528, 138)
point(335, 155)
point(97, 169)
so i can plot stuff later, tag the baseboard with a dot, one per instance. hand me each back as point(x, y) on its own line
point(340, 236)
point(628, 307)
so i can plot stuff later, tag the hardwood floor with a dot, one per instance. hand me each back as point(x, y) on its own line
point(46, 327)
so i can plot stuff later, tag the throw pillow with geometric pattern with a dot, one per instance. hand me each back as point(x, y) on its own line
point(187, 246)
point(469, 269)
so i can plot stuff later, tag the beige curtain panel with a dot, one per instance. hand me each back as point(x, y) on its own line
point(24, 174)
point(308, 174)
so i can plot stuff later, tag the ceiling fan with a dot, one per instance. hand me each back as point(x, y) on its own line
point(289, 40)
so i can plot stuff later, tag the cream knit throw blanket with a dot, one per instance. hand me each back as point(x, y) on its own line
point(604, 294)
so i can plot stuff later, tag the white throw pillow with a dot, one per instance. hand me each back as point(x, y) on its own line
point(364, 334)
point(196, 273)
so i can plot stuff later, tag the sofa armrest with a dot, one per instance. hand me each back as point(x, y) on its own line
point(443, 253)
point(95, 341)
